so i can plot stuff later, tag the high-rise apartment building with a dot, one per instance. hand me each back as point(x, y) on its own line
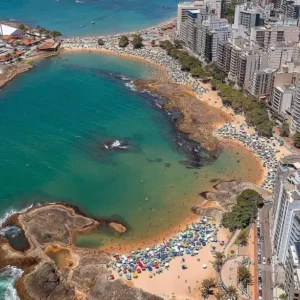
point(265, 35)
point(262, 82)
point(285, 230)
point(210, 32)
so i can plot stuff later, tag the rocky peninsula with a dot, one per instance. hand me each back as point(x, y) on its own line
point(54, 268)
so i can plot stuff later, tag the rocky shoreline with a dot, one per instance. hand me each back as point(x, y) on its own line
point(85, 275)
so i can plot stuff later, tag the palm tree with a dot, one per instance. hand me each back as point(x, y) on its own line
point(207, 285)
point(245, 276)
point(232, 293)
point(219, 256)
point(219, 295)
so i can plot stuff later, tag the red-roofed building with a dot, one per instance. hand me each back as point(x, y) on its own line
point(5, 58)
point(30, 42)
point(50, 46)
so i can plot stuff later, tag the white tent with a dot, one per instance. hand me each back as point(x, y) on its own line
point(8, 30)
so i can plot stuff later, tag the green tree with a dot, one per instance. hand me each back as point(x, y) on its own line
point(232, 293)
point(285, 130)
point(244, 211)
point(265, 128)
point(244, 276)
point(242, 238)
point(198, 72)
point(55, 33)
point(100, 42)
point(22, 27)
point(137, 41)
point(123, 41)
point(167, 45)
point(206, 287)
point(178, 44)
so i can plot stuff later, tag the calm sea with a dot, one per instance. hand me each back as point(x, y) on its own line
point(75, 17)
point(56, 119)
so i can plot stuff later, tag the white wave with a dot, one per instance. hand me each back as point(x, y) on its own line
point(115, 144)
point(13, 231)
point(130, 85)
point(8, 277)
point(14, 211)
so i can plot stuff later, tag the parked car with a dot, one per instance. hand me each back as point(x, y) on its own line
point(269, 261)
point(264, 261)
point(259, 279)
point(259, 272)
point(260, 293)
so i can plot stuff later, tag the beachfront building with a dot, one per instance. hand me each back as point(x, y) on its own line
point(210, 32)
point(282, 98)
point(183, 13)
point(190, 29)
point(240, 61)
point(265, 35)
point(250, 15)
point(262, 82)
point(295, 126)
point(280, 53)
point(292, 269)
point(286, 226)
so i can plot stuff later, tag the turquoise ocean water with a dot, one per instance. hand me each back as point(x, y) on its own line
point(74, 17)
point(56, 119)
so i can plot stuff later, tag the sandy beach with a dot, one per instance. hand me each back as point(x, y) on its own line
point(183, 284)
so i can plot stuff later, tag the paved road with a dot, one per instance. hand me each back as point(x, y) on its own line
point(266, 252)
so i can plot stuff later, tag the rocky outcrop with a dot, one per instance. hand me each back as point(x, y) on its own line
point(103, 290)
point(224, 197)
point(117, 227)
point(50, 229)
point(44, 282)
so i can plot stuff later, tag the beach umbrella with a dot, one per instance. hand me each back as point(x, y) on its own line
point(166, 265)
point(204, 266)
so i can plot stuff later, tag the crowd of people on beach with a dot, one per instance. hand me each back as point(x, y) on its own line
point(155, 259)
point(263, 148)
point(154, 54)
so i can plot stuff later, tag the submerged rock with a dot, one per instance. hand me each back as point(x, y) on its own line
point(117, 227)
point(116, 145)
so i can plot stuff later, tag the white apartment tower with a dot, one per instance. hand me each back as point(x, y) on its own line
point(286, 195)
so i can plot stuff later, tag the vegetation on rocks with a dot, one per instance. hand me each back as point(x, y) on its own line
point(123, 41)
point(244, 211)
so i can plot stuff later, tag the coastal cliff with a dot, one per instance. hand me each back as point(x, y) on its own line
point(54, 268)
